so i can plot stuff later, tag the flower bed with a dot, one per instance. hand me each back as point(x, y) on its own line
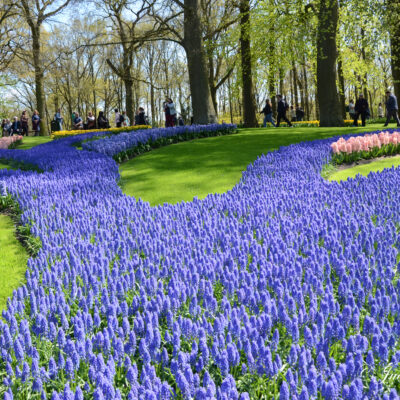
point(300, 124)
point(63, 134)
point(286, 286)
point(365, 147)
point(129, 144)
point(9, 141)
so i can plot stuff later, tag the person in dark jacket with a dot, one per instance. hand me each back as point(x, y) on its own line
point(361, 108)
point(24, 123)
point(282, 108)
point(392, 108)
point(299, 113)
point(102, 121)
point(267, 111)
point(36, 122)
point(140, 117)
point(15, 127)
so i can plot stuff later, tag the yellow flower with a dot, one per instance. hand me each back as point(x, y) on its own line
point(60, 134)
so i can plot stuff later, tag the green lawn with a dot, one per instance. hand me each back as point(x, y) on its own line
point(12, 261)
point(213, 165)
point(365, 169)
point(31, 141)
point(2, 166)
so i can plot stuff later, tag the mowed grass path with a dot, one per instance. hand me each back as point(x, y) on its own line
point(365, 169)
point(12, 261)
point(213, 165)
point(31, 141)
point(13, 256)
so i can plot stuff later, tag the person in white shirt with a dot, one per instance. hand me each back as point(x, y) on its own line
point(352, 110)
point(126, 121)
point(380, 111)
point(170, 113)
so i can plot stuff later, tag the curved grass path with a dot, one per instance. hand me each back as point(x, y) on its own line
point(213, 165)
point(13, 256)
point(12, 261)
point(365, 169)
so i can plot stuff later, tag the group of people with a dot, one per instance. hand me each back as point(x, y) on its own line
point(20, 126)
point(121, 119)
point(296, 113)
point(361, 109)
point(171, 116)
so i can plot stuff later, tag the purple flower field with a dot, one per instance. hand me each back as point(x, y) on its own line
point(285, 287)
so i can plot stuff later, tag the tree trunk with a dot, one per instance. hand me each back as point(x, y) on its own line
point(291, 87)
point(249, 105)
point(295, 84)
point(203, 109)
point(306, 94)
point(327, 95)
point(394, 16)
point(39, 75)
point(128, 83)
point(342, 96)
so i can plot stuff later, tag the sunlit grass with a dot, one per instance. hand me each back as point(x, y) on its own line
point(365, 169)
point(13, 260)
point(213, 165)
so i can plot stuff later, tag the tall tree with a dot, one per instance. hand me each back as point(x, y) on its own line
point(189, 34)
point(248, 99)
point(327, 94)
point(393, 9)
point(35, 13)
point(129, 23)
point(192, 41)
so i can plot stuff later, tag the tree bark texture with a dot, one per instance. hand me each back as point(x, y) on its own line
point(306, 94)
point(249, 104)
point(342, 96)
point(39, 76)
point(394, 20)
point(202, 105)
point(327, 94)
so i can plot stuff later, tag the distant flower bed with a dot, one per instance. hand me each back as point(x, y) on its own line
point(62, 134)
point(129, 144)
point(347, 122)
point(365, 147)
point(9, 141)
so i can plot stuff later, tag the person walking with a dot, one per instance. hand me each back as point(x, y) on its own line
point(102, 121)
point(392, 108)
point(140, 117)
point(36, 123)
point(267, 111)
point(282, 108)
point(299, 114)
point(170, 113)
point(24, 123)
point(292, 114)
point(380, 111)
point(59, 119)
point(352, 111)
point(118, 118)
point(361, 108)
point(127, 121)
